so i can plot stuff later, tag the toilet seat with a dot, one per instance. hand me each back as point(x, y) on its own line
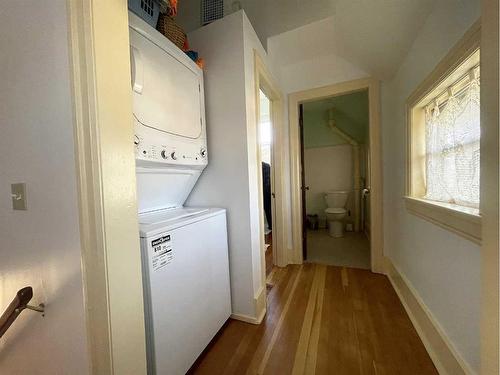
point(333, 210)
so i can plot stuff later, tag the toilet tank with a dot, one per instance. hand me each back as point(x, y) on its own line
point(336, 198)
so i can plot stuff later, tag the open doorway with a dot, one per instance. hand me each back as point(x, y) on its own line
point(270, 166)
point(265, 132)
point(362, 196)
point(335, 180)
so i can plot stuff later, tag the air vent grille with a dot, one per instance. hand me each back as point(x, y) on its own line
point(211, 10)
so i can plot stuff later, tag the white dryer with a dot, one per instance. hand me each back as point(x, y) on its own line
point(184, 249)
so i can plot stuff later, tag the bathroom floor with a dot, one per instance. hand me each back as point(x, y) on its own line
point(352, 250)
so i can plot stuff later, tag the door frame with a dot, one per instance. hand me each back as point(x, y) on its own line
point(105, 163)
point(489, 205)
point(300, 97)
point(303, 187)
point(265, 82)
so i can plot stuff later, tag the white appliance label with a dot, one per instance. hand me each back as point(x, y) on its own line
point(162, 252)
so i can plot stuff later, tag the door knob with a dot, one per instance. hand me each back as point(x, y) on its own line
point(365, 191)
point(305, 187)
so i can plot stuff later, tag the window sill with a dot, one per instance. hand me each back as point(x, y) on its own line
point(463, 221)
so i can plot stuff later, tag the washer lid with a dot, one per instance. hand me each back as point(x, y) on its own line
point(335, 210)
point(166, 216)
point(166, 85)
point(164, 188)
point(154, 223)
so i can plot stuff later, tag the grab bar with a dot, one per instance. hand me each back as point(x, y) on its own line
point(18, 304)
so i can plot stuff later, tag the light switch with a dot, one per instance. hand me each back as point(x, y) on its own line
point(18, 196)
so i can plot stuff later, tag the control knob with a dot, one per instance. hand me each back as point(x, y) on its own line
point(203, 152)
point(173, 155)
point(164, 154)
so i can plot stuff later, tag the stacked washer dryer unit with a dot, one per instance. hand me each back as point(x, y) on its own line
point(184, 250)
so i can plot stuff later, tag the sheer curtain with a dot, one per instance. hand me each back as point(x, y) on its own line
point(452, 148)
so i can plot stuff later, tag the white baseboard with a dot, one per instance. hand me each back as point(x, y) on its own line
point(260, 309)
point(440, 348)
point(249, 319)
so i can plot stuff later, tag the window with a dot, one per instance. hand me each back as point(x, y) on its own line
point(452, 133)
point(443, 152)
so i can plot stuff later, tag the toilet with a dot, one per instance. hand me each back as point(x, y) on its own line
point(336, 212)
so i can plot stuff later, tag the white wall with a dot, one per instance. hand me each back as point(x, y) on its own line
point(326, 168)
point(443, 267)
point(39, 247)
point(231, 178)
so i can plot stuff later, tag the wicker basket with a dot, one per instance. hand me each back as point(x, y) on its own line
point(168, 27)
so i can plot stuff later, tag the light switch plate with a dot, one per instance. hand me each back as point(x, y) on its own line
point(18, 196)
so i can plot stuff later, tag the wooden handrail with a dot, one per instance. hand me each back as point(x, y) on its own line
point(18, 304)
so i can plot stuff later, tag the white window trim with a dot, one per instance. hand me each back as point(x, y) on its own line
point(463, 221)
point(458, 219)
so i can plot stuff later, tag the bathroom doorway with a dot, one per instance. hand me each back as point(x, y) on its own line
point(335, 174)
point(359, 194)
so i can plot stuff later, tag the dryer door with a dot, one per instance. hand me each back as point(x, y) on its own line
point(166, 90)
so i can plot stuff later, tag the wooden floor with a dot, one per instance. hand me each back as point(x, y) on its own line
point(321, 320)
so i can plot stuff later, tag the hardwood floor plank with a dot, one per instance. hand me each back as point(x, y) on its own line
point(265, 346)
point(305, 333)
point(264, 333)
point(282, 354)
point(338, 349)
point(312, 350)
point(322, 320)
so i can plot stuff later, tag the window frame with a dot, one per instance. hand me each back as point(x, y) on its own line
point(461, 220)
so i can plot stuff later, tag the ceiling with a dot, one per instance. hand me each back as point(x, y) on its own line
point(375, 35)
point(273, 17)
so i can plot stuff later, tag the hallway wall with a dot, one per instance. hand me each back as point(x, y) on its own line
point(41, 246)
point(442, 267)
point(231, 179)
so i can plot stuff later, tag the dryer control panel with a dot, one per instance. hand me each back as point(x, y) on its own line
point(172, 150)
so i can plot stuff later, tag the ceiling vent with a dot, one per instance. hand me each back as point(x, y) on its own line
point(211, 10)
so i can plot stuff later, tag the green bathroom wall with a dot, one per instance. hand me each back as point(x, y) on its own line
point(350, 114)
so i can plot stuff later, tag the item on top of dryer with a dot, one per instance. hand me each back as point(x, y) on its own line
point(148, 10)
point(172, 30)
point(172, 8)
point(193, 55)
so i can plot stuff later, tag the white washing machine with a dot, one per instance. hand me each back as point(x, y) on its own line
point(184, 249)
point(186, 285)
